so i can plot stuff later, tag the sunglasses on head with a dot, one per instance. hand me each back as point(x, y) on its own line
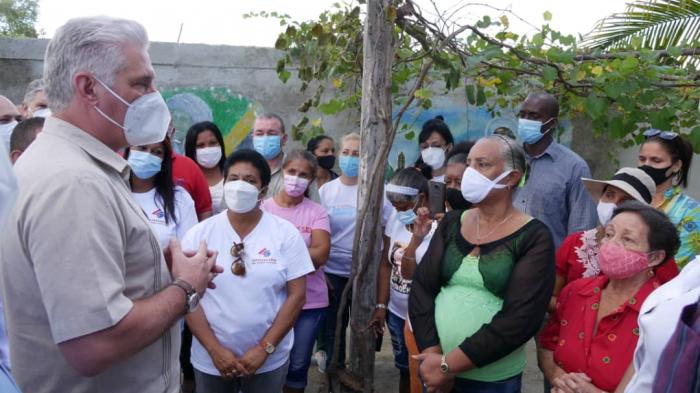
point(667, 135)
point(238, 265)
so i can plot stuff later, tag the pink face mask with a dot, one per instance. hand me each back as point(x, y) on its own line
point(294, 185)
point(618, 263)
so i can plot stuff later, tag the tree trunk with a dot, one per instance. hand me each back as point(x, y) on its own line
point(376, 139)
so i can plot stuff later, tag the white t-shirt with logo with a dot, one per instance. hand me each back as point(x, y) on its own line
point(217, 197)
point(185, 213)
point(340, 201)
point(399, 238)
point(242, 308)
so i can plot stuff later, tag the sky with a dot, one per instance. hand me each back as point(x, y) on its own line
point(221, 22)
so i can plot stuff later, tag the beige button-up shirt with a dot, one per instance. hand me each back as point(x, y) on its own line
point(76, 253)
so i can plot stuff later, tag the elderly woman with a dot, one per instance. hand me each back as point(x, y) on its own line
point(406, 239)
point(242, 330)
point(577, 257)
point(666, 156)
point(588, 343)
point(311, 219)
point(482, 289)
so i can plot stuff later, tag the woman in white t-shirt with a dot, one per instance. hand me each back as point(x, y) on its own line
point(311, 219)
point(169, 208)
point(243, 328)
point(339, 196)
point(205, 146)
point(407, 235)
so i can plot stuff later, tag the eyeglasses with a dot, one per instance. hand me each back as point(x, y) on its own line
point(238, 265)
point(667, 135)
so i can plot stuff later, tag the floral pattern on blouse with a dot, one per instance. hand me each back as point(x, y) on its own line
point(684, 212)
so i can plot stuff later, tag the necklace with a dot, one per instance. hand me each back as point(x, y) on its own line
point(478, 229)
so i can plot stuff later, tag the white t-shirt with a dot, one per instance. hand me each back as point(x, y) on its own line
point(217, 197)
point(400, 287)
point(185, 214)
point(658, 317)
point(242, 308)
point(340, 201)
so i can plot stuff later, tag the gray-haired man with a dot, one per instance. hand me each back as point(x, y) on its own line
point(91, 304)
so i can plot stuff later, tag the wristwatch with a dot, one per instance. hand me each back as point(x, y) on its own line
point(268, 347)
point(380, 305)
point(191, 296)
point(444, 367)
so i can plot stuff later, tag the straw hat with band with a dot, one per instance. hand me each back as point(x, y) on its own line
point(635, 182)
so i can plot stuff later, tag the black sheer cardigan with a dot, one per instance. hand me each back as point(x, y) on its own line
point(524, 279)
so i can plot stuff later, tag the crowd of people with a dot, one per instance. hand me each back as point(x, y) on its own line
point(125, 266)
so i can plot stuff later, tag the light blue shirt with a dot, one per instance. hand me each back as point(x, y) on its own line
point(554, 192)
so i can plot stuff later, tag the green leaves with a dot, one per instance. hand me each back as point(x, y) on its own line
point(620, 92)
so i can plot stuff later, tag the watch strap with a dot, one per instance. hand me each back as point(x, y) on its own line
point(189, 289)
point(444, 367)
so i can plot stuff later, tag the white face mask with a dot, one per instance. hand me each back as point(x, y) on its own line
point(476, 187)
point(6, 132)
point(433, 156)
point(146, 120)
point(209, 157)
point(605, 212)
point(43, 112)
point(240, 196)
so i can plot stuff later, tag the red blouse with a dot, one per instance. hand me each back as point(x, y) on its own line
point(569, 332)
point(577, 257)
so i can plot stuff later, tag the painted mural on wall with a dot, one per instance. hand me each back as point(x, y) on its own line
point(466, 122)
point(232, 112)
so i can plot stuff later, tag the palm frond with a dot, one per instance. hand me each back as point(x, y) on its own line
point(652, 24)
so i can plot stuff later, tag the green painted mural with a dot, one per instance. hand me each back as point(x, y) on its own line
point(232, 112)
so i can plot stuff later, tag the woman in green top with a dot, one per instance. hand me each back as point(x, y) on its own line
point(666, 156)
point(482, 288)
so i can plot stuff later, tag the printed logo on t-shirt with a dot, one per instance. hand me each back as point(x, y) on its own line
point(342, 211)
point(158, 213)
point(264, 256)
point(265, 252)
point(304, 229)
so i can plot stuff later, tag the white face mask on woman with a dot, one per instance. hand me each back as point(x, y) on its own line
point(605, 212)
point(240, 196)
point(209, 157)
point(476, 187)
point(434, 157)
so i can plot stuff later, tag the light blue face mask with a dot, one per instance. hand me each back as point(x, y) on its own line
point(144, 165)
point(350, 165)
point(269, 146)
point(406, 217)
point(530, 132)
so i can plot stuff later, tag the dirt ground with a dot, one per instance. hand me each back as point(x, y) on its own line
point(386, 376)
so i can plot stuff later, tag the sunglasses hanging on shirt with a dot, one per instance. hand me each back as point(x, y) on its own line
point(238, 265)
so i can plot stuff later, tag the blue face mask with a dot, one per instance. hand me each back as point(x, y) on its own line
point(350, 165)
point(530, 131)
point(269, 146)
point(406, 217)
point(144, 165)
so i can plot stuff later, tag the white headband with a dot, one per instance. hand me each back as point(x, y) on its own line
point(410, 191)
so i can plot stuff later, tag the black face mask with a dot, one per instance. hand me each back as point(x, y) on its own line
point(657, 174)
point(456, 199)
point(326, 162)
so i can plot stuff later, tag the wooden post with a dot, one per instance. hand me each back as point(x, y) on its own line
point(376, 139)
